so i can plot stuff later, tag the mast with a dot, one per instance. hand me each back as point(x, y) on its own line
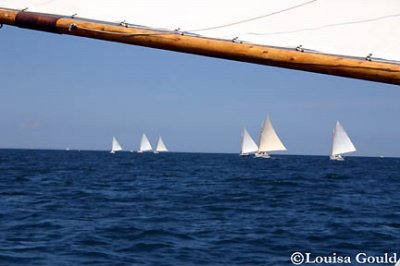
point(173, 41)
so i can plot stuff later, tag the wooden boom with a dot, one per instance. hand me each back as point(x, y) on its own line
point(313, 62)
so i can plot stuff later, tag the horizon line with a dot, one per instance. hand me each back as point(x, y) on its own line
point(200, 152)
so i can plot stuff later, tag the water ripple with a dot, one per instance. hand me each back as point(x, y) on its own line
point(93, 208)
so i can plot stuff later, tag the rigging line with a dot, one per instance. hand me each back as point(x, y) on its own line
point(255, 18)
point(46, 2)
point(326, 26)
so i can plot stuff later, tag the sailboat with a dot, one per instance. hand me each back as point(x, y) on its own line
point(341, 143)
point(115, 146)
point(144, 144)
point(160, 147)
point(269, 141)
point(248, 145)
point(335, 38)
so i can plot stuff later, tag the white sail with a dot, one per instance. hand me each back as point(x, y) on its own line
point(341, 27)
point(248, 145)
point(161, 146)
point(341, 141)
point(145, 144)
point(115, 146)
point(269, 140)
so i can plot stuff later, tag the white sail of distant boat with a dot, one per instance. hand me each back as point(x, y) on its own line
point(144, 144)
point(248, 145)
point(341, 143)
point(269, 140)
point(115, 146)
point(160, 146)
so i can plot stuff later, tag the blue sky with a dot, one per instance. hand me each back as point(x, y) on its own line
point(60, 91)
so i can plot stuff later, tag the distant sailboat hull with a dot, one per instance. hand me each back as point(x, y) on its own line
point(336, 157)
point(263, 155)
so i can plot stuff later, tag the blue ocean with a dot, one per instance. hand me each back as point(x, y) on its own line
point(97, 208)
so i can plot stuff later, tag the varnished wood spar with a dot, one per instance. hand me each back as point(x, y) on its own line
point(325, 64)
point(7, 16)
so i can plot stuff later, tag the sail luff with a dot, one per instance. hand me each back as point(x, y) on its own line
point(258, 54)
